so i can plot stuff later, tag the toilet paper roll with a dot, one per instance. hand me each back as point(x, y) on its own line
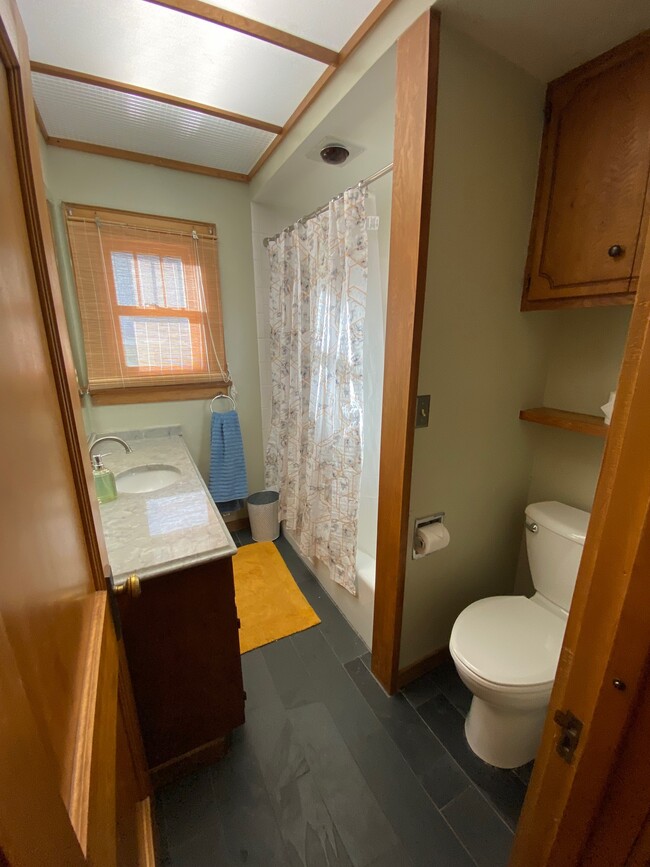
point(430, 538)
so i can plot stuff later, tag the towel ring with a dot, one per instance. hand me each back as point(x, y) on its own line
point(223, 397)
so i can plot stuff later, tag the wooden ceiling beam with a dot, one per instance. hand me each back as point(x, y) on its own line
point(348, 49)
point(264, 32)
point(168, 99)
point(148, 159)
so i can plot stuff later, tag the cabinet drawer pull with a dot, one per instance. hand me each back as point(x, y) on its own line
point(131, 587)
point(615, 251)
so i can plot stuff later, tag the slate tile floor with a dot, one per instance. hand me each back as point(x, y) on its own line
point(330, 772)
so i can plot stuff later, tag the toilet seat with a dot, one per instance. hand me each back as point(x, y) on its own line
point(509, 641)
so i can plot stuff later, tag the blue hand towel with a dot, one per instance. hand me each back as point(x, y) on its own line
point(228, 483)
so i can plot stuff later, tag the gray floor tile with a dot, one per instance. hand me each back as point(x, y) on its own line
point(289, 674)
point(452, 687)
point(294, 562)
point(364, 830)
point(189, 807)
point(257, 681)
point(406, 805)
point(421, 690)
point(205, 850)
point(330, 772)
point(525, 772)
point(503, 789)
point(250, 833)
point(343, 640)
point(307, 829)
point(244, 537)
point(436, 770)
point(486, 837)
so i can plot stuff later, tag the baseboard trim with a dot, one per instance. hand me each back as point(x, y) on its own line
point(236, 524)
point(422, 666)
point(146, 847)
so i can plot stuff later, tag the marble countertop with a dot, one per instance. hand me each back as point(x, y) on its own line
point(161, 531)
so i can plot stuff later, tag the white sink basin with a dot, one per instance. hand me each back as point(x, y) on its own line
point(147, 478)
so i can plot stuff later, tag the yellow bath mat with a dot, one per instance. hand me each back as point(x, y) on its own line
point(269, 603)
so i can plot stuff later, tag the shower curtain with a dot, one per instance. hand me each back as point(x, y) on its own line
point(319, 274)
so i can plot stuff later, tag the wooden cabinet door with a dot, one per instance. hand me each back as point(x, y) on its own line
point(59, 657)
point(593, 180)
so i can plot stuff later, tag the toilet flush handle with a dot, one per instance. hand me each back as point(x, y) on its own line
point(532, 526)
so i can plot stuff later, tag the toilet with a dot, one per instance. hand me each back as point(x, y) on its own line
point(506, 648)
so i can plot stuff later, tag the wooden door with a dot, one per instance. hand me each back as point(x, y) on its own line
point(586, 240)
point(602, 676)
point(59, 658)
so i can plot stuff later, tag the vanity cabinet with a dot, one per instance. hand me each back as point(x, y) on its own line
point(592, 199)
point(181, 637)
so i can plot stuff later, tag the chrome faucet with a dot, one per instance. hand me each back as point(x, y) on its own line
point(127, 447)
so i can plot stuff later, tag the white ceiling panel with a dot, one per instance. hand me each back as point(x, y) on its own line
point(328, 23)
point(161, 49)
point(92, 114)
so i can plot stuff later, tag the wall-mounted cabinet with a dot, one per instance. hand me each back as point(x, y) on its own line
point(593, 199)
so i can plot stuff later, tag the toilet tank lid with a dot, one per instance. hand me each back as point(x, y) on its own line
point(561, 519)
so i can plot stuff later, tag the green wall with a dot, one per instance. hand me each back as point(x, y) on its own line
point(94, 180)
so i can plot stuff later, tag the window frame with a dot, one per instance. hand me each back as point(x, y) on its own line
point(148, 390)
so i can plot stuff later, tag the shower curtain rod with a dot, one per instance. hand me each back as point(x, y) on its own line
point(364, 183)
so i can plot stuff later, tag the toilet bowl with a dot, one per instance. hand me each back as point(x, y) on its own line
point(506, 648)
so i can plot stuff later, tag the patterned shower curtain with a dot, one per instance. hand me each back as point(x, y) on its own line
point(319, 274)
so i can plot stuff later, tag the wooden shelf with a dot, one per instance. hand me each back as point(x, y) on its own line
point(593, 425)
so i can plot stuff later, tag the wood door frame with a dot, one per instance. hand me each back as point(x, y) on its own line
point(415, 116)
point(607, 637)
point(14, 53)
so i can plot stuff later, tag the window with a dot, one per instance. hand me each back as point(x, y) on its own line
point(148, 290)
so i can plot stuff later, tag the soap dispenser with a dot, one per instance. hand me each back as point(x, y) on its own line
point(105, 487)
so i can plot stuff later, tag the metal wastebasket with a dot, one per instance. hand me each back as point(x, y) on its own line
point(263, 515)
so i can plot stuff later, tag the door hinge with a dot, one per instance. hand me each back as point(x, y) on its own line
point(569, 736)
point(548, 111)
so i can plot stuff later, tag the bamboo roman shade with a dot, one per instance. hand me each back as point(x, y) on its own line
point(149, 298)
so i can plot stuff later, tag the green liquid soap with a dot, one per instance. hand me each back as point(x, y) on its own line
point(105, 487)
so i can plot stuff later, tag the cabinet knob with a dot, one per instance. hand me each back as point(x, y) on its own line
point(615, 251)
point(131, 587)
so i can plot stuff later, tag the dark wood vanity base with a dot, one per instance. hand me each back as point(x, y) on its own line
point(182, 644)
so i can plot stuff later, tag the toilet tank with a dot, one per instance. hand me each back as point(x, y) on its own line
point(555, 536)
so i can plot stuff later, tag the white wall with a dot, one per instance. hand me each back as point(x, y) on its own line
point(482, 360)
point(585, 353)
point(94, 180)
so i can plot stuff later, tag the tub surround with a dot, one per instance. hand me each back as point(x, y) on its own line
point(161, 531)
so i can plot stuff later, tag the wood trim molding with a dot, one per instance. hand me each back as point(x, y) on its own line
point(607, 634)
point(250, 27)
point(144, 821)
point(157, 96)
point(422, 666)
point(147, 159)
point(415, 115)
point(97, 637)
point(348, 49)
point(157, 393)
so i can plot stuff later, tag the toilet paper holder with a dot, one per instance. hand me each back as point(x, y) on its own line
point(438, 518)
